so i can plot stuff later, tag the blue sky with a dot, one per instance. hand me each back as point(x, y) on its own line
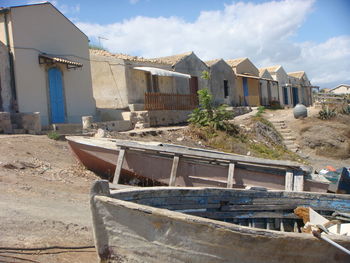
point(310, 35)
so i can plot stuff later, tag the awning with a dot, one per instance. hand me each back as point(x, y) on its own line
point(50, 59)
point(163, 72)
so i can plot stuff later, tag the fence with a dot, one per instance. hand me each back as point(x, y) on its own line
point(166, 101)
point(331, 98)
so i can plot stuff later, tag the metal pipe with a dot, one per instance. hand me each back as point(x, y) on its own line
point(318, 235)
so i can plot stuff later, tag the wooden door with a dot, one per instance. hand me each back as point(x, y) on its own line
point(194, 88)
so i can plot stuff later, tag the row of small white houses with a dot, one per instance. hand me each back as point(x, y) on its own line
point(46, 66)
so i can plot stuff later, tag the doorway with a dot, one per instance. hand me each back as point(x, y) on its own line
point(56, 95)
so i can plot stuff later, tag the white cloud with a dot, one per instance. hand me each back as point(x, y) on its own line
point(262, 32)
point(133, 1)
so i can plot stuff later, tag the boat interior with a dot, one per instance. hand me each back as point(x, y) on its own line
point(272, 210)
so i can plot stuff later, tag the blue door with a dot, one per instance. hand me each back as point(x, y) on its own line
point(295, 96)
point(57, 106)
point(285, 95)
point(245, 91)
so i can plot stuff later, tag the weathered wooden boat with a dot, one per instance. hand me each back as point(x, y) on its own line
point(173, 165)
point(209, 225)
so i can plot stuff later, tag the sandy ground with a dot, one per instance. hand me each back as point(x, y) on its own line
point(44, 201)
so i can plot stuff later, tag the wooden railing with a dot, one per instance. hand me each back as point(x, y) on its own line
point(166, 101)
point(331, 98)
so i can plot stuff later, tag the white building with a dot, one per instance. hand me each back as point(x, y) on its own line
point(341, 89)
point(49, 59)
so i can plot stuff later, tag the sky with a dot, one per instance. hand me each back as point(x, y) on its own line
point(309, 35)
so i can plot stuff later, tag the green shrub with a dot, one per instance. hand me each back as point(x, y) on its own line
point(53, 135)
point(206, 115)
point(261, 110)
point(346, 110)
point(326, 113)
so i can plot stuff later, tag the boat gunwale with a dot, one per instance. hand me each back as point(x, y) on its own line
point(192, 219)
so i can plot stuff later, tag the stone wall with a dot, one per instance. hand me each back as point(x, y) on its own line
point(5, 122)
point(26, 122)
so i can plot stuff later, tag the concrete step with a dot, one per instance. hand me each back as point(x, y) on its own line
point(285, 131)
point(68, 128)
point(277, 122)
point(289, 138)
point(288, 142)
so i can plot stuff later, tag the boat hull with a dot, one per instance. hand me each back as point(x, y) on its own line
point(102, 158)
point(150, 225)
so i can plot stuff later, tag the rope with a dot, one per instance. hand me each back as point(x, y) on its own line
point(45, 248)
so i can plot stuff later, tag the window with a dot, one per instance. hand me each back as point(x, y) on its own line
point(225, 88)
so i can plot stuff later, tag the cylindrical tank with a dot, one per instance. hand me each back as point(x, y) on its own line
point(300, 111)
point(87, 121)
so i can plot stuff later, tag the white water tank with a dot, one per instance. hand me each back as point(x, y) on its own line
point(300, 111)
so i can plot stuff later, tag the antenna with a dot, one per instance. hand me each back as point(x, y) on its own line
point(99, 40)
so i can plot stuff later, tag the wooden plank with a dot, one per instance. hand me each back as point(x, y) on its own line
point(119, 165)
point(174, 171)
point(289, 181)
point(298, 184)
point(244, 215)
point(212, 155)
point(230, 177)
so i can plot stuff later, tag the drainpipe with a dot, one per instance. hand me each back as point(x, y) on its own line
point(14, 106)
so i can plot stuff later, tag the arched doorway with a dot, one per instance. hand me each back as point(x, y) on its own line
point(57, 102)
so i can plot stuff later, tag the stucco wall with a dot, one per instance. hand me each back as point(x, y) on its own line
point(264, 92)
point(274, 91)
point(247, 66)
point(282, 77)
point(219, 72)
point(137, 81)
point(193, 66)
point(108, 82)
point(42, 27)
point(5, 80)
point(239, 90)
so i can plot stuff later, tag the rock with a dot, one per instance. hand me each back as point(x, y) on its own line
point(100, 133)
point(199, 142)
point(180, 139)
point(248, 153)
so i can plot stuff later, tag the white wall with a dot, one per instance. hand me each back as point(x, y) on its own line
point(341, 90)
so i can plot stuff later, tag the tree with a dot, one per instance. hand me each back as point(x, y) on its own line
point(206, 115)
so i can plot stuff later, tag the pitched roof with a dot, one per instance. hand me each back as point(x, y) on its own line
point(172, 60)
point(297, 74)
point(341, 85)
point(262, 71)
point(120, 56)
point(272, 68)
point(212, 62)
point(234, 62)
point(45, 3)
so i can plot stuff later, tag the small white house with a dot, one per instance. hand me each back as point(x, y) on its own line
point(49, 63)
point(341, 89)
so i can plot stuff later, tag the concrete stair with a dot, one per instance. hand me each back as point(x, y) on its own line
point(286, 133)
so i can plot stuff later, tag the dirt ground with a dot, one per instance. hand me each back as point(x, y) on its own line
point(44, 201)
point(321, 142)
point(44, 198)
